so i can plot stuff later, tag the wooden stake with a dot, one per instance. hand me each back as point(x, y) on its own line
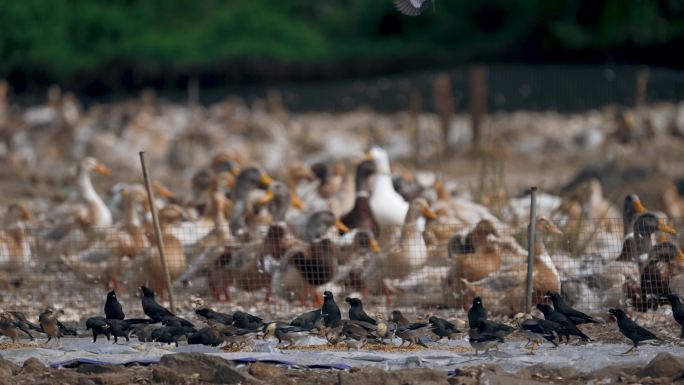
point(157, 229)
point(532, 232)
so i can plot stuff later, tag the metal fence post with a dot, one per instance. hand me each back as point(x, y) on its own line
point(531, 229)
point(157, 229)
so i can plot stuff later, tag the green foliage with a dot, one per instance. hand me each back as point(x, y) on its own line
point(64, 37)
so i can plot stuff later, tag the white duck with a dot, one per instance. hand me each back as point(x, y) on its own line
point(389, 208)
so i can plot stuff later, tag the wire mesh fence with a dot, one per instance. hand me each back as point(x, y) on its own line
point(594, 263)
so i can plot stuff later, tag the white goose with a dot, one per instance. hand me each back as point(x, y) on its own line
point(389, 208)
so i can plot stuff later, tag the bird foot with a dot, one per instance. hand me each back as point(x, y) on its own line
point(630, 351)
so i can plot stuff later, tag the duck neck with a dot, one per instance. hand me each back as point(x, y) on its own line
point(101, 214)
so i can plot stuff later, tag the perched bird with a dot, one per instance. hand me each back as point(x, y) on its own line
point(120, 328)
point(99, 327)
point(356, 312)
point(209, 336)
point(246, 321)
point(112, 308)
point(151, 308)
point(211, 315)
point(442, 327)
point(411, 7)
point(48, 323)
point(677, 311)
point(569, 327)
point(399, 318)
point(308, 320)
point(577, 317)
point(288, 333)
point(476, 313)
point(631, 329)
point(538, 330)
point(330, 311)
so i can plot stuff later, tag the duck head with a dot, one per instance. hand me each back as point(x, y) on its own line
point(381, 159)
point(417, 208)
point(364, 171)
point(249, 179)
point(648, 223)
point(90, 164)
point(320, 223)
point(364, 241)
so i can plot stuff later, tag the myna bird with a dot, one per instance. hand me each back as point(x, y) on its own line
point(355, 335)
point(443, 328)
point(23, 324)
point(98, 325)
point(577, 317)
point(330, 311)
point(246, 321)
point(416, 335)
point(538, 330)
point(482, 338)
point(120, 328)
point(631, 329)
point(283, 332)
point(383, 329)
point(208, 336)
point(8, 326)
point(356, 312)
point(151, 308)
point(476, 313)
point(308, 320)
point(677, 311)
point(211, 315)
point(112, 307)
point(399, 318)
point(411, 7)
point(569, 327)
point(48, 323)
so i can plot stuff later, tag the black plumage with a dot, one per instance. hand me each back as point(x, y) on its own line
point(476, 313)
point(677, 311)
point(356, 312)
point(171, 334)
point(484, 337)
point(399, 318)
point(112, 307)
point(330, 311)
point(577, 317)
point(536, 329)
point(307, 320)
point(98, 326)
point(442, 327)
point(176, 321)
point(212, 315)
point(569, 327)
point(151, 308)
point(631, 329)
point(206, 336)
point(120, 328)
point(246, 321)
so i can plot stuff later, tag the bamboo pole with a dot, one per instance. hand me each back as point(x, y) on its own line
point(530, 248)
point(157, 229)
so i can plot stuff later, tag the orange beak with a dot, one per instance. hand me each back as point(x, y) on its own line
point(341, 226)
point(374, 246)
point(265, 179)
point(162, 191)
point(664, 227)
point(428, 213)
point(368, 156)
point(102, 169)
point(680, 255)
point(638, 207)
point(235, 170)
point(266, 197)
point(296, 202)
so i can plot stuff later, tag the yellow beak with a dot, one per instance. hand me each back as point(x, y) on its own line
point(235, 170)
point(162, 191)
point(265, 179)
point(102, 169)
point(296, 202)
point(374, 246)
point(368, 156)
point(266, 197)
point(428, 213)
point(680, 255)
point(638, 207)
point(341, 226)
point(664, 227)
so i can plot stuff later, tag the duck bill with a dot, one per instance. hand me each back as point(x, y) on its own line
point(638, 207)
point(368, 156)
point(296, 202)
point(429, 214)
point(374, 246)
point(341, 226)
point(264, 179)
point(266, 197)
point(102, 169)
point(664, 227)
point(680, 255)
point(235, 170)
point(25, 214)
point(162, 191)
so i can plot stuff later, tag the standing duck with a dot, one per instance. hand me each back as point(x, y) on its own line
point(96, 213)
point(361, 216)
point(663, 261)
point(387, 205)
point(249, 179)
point(15, 250)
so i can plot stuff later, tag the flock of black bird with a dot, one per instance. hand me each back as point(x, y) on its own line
point(237, 329)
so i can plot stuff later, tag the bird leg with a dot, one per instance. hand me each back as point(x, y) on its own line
point(226, 293)
point(631, 350)
point(388, 295)
point(318, 299)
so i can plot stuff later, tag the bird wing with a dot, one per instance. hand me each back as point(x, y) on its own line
point(407, 8)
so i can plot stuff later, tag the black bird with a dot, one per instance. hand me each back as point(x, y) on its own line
point(206, 336)
point(577, 317)
point(330, 311)
point(151, 308)
point(411, 7)
point(307, 320)
point(442, 327)
point(482, 337)
point(569, 327)
point(356, 312)
point(631, 329)
point(66, 330)
point(476, 313)
point(246, 321)
point(677, 311)
point(120, 328)
point(171, 334)
point(212, 315)
point(112, 307)
point(176, 321)
point(99, 327)
point(399, 318)
point(537, 329)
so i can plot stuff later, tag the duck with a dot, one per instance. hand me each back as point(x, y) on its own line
point(665, 259)
point(631, 209)
point(505, 288)
point(645, 225)
point(249, 179)
point(311, 262)
point(388, 206)
point(15, 248)
point(410, 254)
point(353, 259)
point(96, 214)
point(204, 182)
point(476, 256)
point(134, 239)
point(361, 215)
